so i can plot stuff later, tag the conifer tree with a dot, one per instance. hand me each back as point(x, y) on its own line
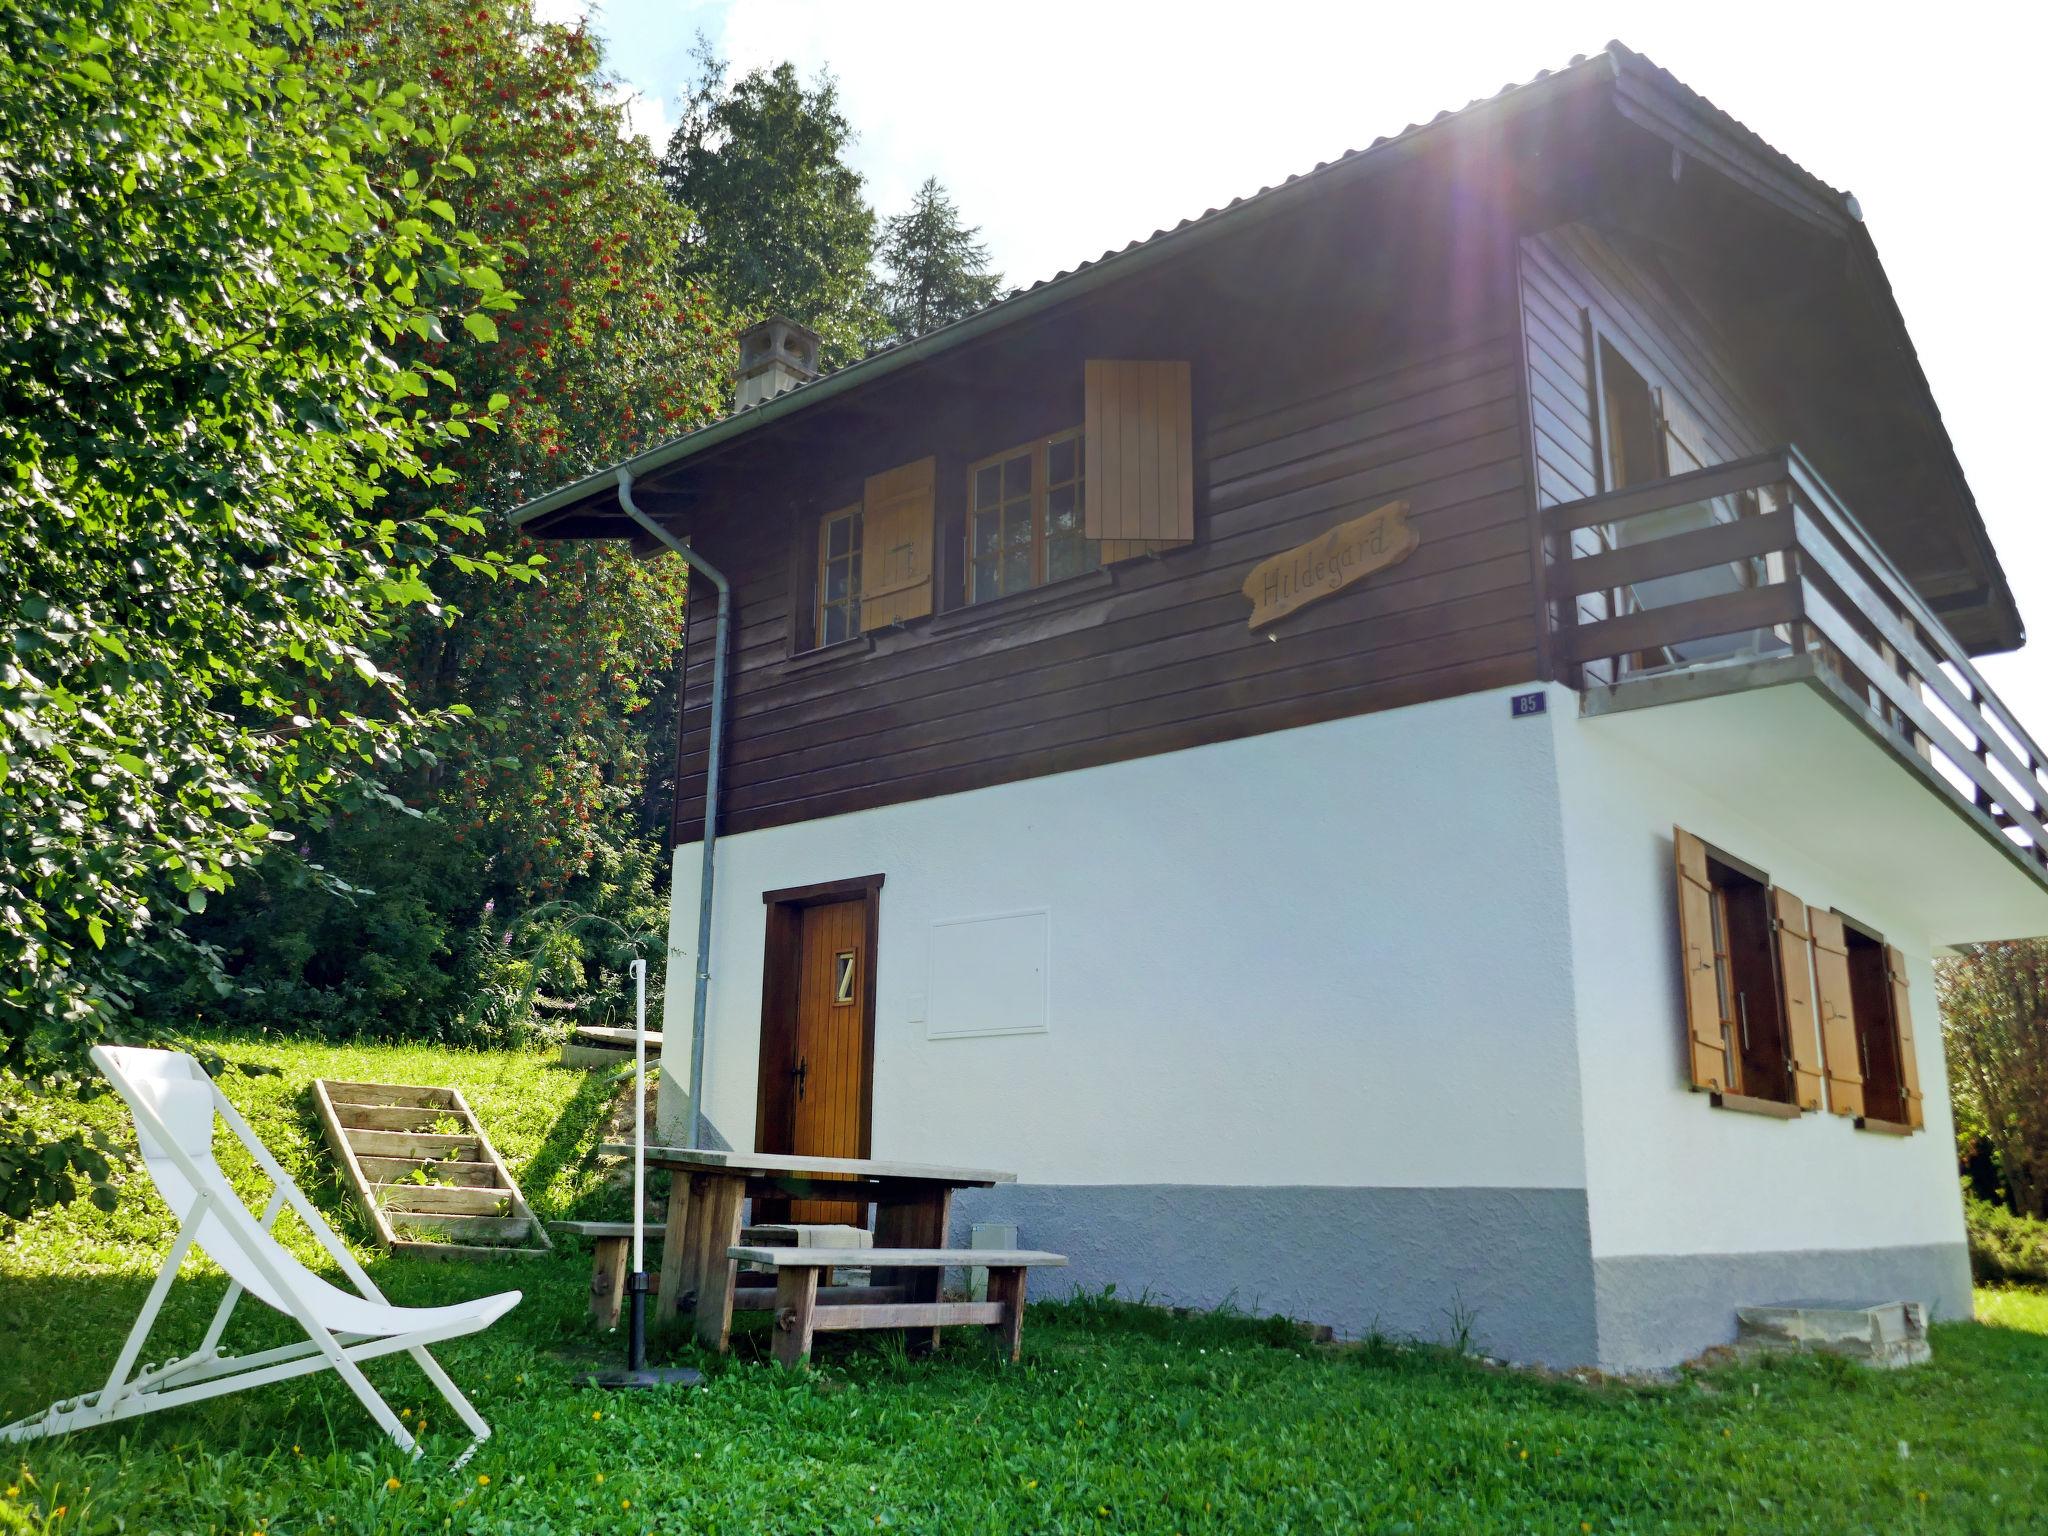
point(778, 219)
point(937, 267)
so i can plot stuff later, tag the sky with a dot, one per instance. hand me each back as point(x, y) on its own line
point(1064, 130)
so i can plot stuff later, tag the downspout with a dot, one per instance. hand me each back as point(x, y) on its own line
point(703, 567)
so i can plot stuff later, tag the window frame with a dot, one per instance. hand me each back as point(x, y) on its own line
point(1872, 1013)
point(1753, 887)
point(1038, 449)
point(823, 560)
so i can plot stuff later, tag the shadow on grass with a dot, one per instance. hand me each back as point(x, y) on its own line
point(572, 1142)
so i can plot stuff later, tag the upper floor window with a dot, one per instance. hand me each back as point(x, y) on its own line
point(1633, 456)
point(839, 540)
point(1024, 517)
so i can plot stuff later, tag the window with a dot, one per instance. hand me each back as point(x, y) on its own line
point(1877, 1040)
point(1866, 1024)
point(1748, 984)
point(1024, 518)
point(1630, 410)
point(839, 576)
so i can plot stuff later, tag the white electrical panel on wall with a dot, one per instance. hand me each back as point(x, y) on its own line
point(990, 976)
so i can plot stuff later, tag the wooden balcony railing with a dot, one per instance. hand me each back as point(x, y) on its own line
point(1753, 573)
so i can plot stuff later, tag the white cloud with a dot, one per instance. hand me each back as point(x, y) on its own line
point(645, 116)
point(562, 12)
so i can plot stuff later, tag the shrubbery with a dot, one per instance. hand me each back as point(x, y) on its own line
point(2003, 1246)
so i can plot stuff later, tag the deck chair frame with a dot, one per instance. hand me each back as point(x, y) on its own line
point(206, 1372)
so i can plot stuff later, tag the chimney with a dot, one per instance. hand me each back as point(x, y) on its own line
point(775, 355)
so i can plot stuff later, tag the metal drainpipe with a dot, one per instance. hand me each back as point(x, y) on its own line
point(698, 563)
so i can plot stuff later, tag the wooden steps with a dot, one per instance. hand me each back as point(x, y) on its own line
point(423, 1168)
point(597, 1047)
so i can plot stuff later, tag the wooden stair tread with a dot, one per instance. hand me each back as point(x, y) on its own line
point(396, 1117)
point(392, 1170)
point(407, 1196)
point(388, 1094)
point(489, 1253)
point(455, 1225)
point(415, 1144)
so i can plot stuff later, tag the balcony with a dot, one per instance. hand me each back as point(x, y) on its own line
point(1753, 575)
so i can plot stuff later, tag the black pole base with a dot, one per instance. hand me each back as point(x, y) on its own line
point(647, 1376)
point(638, 1373)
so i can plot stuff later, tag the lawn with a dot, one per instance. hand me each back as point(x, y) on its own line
point(1118, 1419)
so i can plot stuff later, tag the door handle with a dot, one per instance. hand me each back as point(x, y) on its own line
point(801, 1072)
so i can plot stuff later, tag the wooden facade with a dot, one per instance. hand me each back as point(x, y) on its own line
point(1425, 322)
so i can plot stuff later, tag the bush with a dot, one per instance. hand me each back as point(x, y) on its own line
point(415, 943)
point(2004, 1246)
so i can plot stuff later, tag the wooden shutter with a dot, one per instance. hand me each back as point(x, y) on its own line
point(1795, 991)
point(1840, 1059)
point(1706, 1034)
point(1902, 1018)
point(896, 544)
point(1139, 422)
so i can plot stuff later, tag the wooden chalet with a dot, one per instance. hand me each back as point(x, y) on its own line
point(1402, 748)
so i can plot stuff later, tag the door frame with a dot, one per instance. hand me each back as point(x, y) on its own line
point(780, 968)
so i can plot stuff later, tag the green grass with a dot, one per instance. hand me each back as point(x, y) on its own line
point(1119, 1418)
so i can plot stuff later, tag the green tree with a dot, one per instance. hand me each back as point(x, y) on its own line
point(779, 221)
point(393, 917)
point(937, 268)
point(204, 409)
point(1994, 1028)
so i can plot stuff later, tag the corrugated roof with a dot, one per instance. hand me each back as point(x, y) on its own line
point(1022, 301)
point(1017, 302)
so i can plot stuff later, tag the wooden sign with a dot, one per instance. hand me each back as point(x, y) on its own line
point(1349, 552)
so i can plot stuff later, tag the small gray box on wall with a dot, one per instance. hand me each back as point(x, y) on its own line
point(987, 1234)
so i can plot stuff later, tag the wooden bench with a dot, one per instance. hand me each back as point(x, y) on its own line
point(904, 1293)
point(611, 1245)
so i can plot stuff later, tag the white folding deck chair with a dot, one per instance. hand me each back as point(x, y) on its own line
point(174, 1102)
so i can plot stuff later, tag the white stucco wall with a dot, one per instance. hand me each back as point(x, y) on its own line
point(1326, 956)
point(1667, 1172)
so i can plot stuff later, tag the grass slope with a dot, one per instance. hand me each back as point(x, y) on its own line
point(1119, 1419)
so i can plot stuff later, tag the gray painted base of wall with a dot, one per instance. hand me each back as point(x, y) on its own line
point(1657, 1310)
point(1514, 1264)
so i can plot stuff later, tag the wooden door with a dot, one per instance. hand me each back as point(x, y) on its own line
point(817, 1036)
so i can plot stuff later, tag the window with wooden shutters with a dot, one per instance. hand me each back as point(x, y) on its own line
point(1741, 1008)
point(1865, 996)
point(896, 535)
point(1841, 1057)
point(1138, 419)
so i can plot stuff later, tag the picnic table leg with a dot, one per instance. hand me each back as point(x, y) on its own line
point(677, 1280)
point(723, 1200)
point(1007, 1286)
point(608, 1280)
point(796, 1306)
point(919, 1223)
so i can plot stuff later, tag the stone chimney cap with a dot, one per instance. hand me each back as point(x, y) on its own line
point(776, 354)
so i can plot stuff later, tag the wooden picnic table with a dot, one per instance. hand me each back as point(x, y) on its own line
point(913, 1209)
